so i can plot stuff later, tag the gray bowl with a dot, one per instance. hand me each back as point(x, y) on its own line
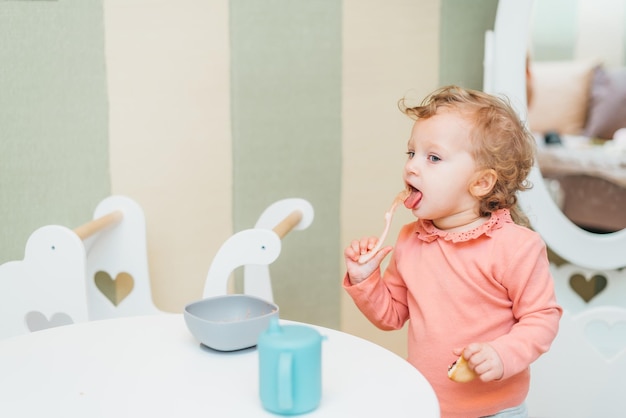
point(229, 322)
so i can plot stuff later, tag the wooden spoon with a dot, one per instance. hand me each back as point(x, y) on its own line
point(401, 197)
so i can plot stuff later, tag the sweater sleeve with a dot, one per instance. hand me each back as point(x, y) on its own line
point(382, 301)
point(529, 282)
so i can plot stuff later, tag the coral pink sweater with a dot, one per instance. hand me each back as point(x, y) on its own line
point(491, 284)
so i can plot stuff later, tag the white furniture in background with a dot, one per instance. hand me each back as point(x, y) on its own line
point(505, 63)
point(582, 376)
point(118, 281)
point(98, 270)
point(47, 287)
point(257, 248)
point(151, 366)
point(583, 373)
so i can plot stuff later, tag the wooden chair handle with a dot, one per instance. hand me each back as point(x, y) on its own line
point(88, 229)
point(287, 224)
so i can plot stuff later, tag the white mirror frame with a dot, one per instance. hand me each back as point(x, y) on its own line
point(505, 65)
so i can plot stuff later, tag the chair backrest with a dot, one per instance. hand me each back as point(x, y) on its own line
point(583, 373)
point(47, 287)
point(117, 278)
point(257, 248)
point(96, 271)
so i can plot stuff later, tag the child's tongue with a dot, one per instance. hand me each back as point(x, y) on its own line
point(413, 199)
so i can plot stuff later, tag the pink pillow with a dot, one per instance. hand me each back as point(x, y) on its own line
point(607, 103)
point(560, 96)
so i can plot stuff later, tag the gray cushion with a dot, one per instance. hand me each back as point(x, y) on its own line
point(607, 103)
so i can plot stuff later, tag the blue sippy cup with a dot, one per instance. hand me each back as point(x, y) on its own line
point(290, 368)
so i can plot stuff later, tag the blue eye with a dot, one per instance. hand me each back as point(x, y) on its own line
point(411, 154)
point(433, 158)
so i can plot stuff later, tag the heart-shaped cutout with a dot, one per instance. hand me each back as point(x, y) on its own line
point(36, 321)
point(587, 289)
point(609, 340)
point(116, 290)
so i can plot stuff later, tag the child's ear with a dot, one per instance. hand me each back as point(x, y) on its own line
point(483, 182)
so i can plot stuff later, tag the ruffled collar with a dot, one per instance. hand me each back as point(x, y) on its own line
point(428, 232)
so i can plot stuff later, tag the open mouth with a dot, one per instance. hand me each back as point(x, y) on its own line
point(415, 196)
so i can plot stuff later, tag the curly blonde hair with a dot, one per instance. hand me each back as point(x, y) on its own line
point(500, 141)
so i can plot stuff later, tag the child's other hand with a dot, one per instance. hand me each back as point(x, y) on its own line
point(358, 272)
point(484, 360)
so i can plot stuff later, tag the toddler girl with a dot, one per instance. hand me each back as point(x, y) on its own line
point(468, 278)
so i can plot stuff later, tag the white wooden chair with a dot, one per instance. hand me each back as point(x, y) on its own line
point(257, 248)
point(47, 287)
point(116, 270)
point(96, 271)
point(583, 373)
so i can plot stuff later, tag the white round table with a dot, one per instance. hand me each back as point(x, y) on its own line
point(151, 366)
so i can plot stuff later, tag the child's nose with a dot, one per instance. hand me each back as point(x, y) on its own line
point(411, 166)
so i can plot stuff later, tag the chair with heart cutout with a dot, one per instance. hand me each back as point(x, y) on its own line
point(116, 266)
point(96, 271)
point(46, 288)
point(256, 248)
point(582, 375)
point(584, 370)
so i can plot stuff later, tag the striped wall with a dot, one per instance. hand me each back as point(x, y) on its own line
point(286, 104)
point(205, 112)
point(168, 67)
point(54, 161)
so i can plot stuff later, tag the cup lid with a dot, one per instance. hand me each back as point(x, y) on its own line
point(289, 336)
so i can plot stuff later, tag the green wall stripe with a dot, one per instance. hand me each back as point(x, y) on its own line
point(286, 123)
point(462, 36)
point(53, 117)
